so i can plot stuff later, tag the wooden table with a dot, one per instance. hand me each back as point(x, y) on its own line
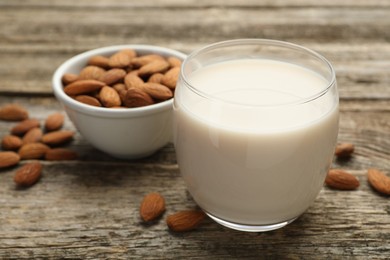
point(88, 208)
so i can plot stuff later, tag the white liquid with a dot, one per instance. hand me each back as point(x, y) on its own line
point(263, 162)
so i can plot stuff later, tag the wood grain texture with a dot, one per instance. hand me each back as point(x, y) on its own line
point(88, 209)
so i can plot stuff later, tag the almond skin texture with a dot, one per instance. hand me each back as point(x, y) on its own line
point(83, 87)
point(57, 137)
point(121, 59)
point(99, 61)
point(341, 180)
point(13, 112)
point(344, 150)
point(157, 91)
point(113, 76)
point(135, 97)
point(54, 122)
point(156, 66)
point(185, 220)
point(60, 154)
point(133, 81)
point(33, 136)
point(379, 181)
point(25, 126)
point(8, 159)
point(88, 100)
point(33, 151)
point(68, 78)
point(11, 142)
point(109, 97)
point(170, 78)
point(91, 72)
point(28, 174)
point(152, 206)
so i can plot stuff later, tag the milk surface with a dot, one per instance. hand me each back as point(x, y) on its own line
point(248, 149)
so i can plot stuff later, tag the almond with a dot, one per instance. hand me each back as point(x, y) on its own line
point(174, 62)
point(344, 149)
point(113, 76)
point(68, 78)
point(185, 220)
point(170, 78)
point(121, 59)
point(109, 97)
point(11, 142)
point(88, 100)
point(25, 126)
point(133, 81)
point(54, 122)
point(145, 59)
point(91, 72)
point(57, 137)
point(136, 98)
point(13, 112)
point(8, 159)
point(33, 136)
point(156, 78)
point(157, 91)
point(28, 174)
point(156, 66)
point(99, 61)
point(119, 86)
point(33, 151)
point(152, 206)
point(60, 154)
point(83, 86)
point(341, 180)
point(379, 181)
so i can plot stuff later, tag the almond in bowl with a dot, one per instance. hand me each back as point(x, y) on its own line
point(112, 97)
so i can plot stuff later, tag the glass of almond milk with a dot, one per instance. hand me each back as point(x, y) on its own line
point(255, 127)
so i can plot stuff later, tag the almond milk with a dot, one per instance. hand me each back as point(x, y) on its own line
point(250, 151)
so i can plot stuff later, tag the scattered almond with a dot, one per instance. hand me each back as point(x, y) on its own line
point(24, 126)
point(379, 181)
point(33, 136)
point(13, 112)
point(54, 122)
point(11, 142)
point(185, 220)
point(8, 159)
point(152, 206)
point(60, 154)
point(341, 180)
point(33, 151)
point(57, 137)
point(344, 150)
point(83, 86)
point(28, 174)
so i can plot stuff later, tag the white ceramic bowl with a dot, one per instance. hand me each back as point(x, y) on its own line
point(127, 133)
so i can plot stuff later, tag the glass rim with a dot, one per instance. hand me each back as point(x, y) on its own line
point(268, 42)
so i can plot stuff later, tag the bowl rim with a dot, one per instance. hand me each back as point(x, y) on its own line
point(57, 85)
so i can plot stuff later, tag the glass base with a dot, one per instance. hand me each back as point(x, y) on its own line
point(250, 228)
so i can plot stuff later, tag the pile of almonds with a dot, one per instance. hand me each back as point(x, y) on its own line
point(153, 206)
point(343, 180)
point(28, 141)
point(124, 80)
